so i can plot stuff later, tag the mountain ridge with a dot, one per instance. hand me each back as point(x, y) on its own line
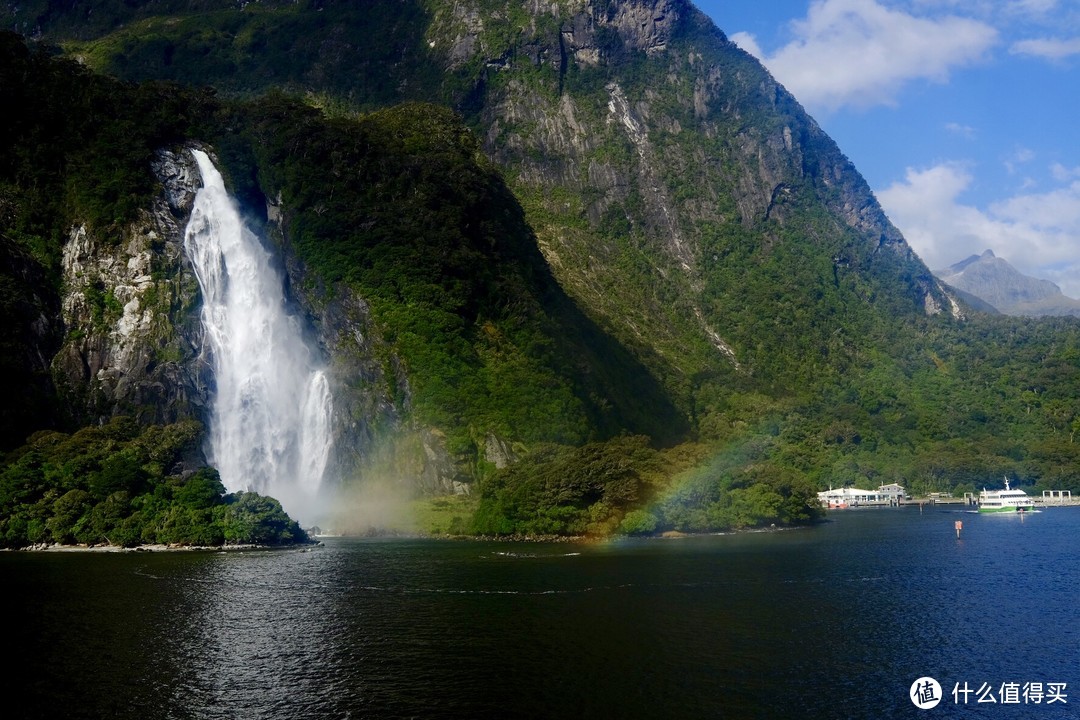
point(995, 281)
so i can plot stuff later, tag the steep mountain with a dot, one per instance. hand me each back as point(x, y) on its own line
point(448, 337)
point(995, 281)
point(670, 181)
point(607, 261)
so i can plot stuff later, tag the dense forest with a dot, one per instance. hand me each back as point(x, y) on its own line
point(118, 484)
point(540, 313)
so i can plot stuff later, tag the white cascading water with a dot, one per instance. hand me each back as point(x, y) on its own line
point(270, 428)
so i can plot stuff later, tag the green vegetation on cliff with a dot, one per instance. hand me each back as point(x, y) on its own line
point(624, 486)
point(401, 206)
point(123, 484)
point(78, 145)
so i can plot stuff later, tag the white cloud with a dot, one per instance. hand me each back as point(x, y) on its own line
point(1036, 232)
point(965, 131)
point(1028, 183)
point(1057, 209)
point(1020, 156)
point(748, 43)
point(1024, 155)
point(999, 11)
point(861, 53)
point(1034, 7)
point(1047, 48)
point(1063, 174)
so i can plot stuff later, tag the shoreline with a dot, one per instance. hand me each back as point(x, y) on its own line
point(156, 548)
point(578, 539)
point(317, 541)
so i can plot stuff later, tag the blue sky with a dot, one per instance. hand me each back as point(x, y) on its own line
point(963, 115)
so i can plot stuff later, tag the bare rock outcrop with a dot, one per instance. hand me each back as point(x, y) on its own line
point(129, 307)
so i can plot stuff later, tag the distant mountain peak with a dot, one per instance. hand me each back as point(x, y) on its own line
point(996, 282)
point(960, 266)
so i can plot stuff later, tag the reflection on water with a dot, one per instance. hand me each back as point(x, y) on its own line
point(832, 621)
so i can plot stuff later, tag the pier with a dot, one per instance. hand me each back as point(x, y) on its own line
point(1049, 499)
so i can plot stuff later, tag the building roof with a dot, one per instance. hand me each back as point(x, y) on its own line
point(847, 493)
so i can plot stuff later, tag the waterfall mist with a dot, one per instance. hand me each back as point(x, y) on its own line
point(270, 425)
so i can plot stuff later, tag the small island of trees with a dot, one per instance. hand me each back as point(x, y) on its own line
point(122, 484)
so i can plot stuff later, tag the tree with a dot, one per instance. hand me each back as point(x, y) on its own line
point(638, 522)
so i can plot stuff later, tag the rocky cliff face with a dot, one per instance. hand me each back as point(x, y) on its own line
point(129, 308)
point(672, 145)
point(640, 108)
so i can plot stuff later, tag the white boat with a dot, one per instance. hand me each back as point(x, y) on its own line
point(1007, 500)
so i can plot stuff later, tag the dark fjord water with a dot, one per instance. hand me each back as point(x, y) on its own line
point(832, 621)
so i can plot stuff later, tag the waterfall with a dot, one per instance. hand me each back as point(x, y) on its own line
point(270, 425)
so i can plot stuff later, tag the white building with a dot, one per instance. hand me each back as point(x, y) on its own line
point(849, 497)
point(892, 492)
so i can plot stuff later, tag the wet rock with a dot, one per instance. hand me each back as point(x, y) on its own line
point(129, 308)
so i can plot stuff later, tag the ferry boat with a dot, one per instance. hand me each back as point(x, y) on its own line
point(992, 501)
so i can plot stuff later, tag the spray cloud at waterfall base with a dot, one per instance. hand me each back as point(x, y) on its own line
point(270, 424)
